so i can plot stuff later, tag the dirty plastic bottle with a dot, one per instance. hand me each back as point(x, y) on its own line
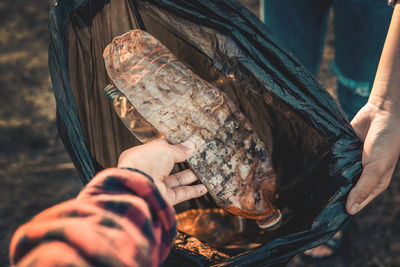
point(156, 95)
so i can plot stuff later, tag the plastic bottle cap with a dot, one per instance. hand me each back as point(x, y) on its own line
point(271, 221)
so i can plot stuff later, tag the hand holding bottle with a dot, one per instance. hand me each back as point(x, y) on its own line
point(156, 159)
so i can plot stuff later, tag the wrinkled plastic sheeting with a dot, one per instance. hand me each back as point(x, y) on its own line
point(316, 154)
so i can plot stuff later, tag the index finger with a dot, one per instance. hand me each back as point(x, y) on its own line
point(368, 187)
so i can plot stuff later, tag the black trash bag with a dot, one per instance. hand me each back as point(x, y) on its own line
point(316, 153)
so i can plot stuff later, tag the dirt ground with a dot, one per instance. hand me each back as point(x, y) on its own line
point(36, 172)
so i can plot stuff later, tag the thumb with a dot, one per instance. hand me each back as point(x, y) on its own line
point(361, 123)
point(182, 151)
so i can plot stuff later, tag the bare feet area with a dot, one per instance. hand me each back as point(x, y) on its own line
point(36, 172)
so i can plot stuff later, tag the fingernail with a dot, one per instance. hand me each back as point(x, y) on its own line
point(354, 208)
point(188, 144)
point(204, 189)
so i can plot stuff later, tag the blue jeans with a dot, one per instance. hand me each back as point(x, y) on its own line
point(360, 32)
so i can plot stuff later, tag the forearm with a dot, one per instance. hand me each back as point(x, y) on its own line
point(118, 219)
point(377, 124)
point(385, 93)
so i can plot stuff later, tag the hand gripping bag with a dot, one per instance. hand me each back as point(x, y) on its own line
point(315, 152)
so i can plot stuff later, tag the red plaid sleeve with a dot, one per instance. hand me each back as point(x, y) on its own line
point(119, 219)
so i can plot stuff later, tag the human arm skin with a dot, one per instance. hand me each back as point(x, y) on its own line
point(174, 188)
point(378, 124)
point(123, 217)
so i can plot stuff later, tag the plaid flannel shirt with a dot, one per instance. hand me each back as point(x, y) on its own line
point(119, 219)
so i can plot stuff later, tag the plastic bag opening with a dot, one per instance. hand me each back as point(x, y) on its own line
point(316, 154)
